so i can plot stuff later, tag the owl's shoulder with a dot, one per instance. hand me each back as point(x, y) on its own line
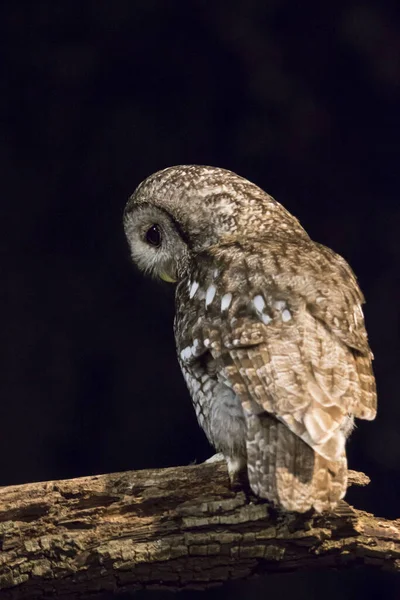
point(233, 279)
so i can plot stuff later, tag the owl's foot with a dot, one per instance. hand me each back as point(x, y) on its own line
point(215, 458)
point(237, 471)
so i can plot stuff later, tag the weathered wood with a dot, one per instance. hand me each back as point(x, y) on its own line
point(176, 528)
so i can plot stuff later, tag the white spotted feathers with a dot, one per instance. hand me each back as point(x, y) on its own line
point(193, 288)
point(264, 310)
point(210, 294)
point(226, 302)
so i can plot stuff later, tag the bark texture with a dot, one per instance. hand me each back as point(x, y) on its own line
point(174, 528)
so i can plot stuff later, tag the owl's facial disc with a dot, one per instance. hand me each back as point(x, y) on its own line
point(156, 246)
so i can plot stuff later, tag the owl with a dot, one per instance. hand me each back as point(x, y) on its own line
point(269, 330)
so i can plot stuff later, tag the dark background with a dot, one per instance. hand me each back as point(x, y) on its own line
point(301, 98)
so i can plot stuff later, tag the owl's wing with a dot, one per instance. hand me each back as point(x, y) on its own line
point(294, 349)
point(339, 308)
point(289, 318)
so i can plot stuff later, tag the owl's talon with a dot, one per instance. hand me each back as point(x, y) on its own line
point(240, 483)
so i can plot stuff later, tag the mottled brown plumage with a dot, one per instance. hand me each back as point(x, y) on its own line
point(269, 330)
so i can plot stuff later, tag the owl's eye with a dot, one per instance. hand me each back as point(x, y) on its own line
point(153, 235)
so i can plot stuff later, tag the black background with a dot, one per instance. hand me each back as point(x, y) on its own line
point(301, 98)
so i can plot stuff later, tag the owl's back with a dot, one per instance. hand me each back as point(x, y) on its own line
point(282, 323)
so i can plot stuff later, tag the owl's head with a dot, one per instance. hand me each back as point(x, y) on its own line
point(183, 210)
point(159, 245)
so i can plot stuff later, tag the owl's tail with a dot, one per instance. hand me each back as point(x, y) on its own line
point(285, 470)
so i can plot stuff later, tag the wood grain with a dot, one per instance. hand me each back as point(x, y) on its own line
point(172, 528)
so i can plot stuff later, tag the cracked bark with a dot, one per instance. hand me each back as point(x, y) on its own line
point(174, 528)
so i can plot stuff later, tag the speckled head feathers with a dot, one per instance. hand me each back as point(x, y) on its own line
point(209, 203)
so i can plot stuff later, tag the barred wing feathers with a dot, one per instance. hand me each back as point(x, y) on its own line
point(293, 347)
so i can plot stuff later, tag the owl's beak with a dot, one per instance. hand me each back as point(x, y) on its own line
point(165, 277)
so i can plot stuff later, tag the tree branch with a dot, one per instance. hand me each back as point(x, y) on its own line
point(177, 528)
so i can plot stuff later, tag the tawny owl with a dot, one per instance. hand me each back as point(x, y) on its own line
point(269, 330)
